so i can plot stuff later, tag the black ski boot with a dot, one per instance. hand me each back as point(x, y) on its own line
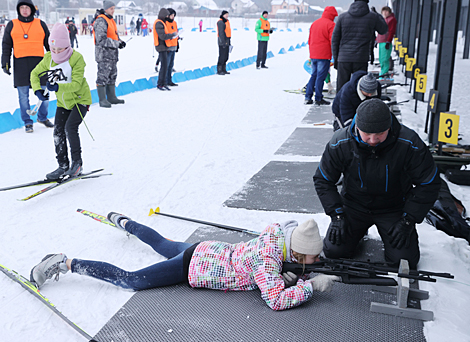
point(58, 173)
point(102, 95)
point(111, 94)
point(75, 170)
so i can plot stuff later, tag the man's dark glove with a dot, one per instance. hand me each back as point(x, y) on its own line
point(122, 44)
point(387, 46)
point(40, 95)
point(266, 31)
point(335, 64)
point(52, 87)
point(400, 232)
point(337, 229)
point(6, 70)
point(290, 279)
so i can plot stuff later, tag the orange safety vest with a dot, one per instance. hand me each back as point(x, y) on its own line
point(172, 27)
point(265, 26)
point(228, 31)
point(112, 28)
point(33, 46)
point(155, 34)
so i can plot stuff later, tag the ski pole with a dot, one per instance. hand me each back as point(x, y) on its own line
point(217, 225)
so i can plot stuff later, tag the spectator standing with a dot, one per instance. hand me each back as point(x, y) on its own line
point(351, 39)
point(385, 40)
point(200, 25)
point(27, 37)
point(319, 42)
point(84, 25)
point(172, 45)
point(72, 33)
point(389, 179)
point(224, 34)
point(138, 23)
point(107, 43)
point(263, 30)
point(162, 38)
point(144, 27)
point(132, 25)
point(73, 99)
point(362, 86)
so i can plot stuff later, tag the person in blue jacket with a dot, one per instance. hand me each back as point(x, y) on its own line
point(361, 87)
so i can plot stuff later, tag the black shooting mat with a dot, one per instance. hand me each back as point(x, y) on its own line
point(306, 142)
point(181, 313)
point(318, 115)
point(280, 186)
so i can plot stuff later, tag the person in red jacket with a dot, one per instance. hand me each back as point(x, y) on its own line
point(319, 42)
point(384, 40)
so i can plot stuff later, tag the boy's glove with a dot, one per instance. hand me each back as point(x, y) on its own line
point(52, 87)
point(40, 95)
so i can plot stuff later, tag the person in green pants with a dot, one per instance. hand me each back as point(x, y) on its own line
point(385, 40)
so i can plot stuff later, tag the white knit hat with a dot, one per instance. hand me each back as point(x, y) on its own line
point(306, 239)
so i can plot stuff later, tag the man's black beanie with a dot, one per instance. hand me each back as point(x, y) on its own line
point(373, 116)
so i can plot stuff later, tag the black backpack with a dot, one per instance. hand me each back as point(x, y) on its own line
point(448, 214)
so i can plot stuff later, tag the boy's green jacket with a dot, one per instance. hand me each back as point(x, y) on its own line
point(69, 94)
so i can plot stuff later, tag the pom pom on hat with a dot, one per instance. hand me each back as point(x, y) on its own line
point(306, 239)
point(368, 84)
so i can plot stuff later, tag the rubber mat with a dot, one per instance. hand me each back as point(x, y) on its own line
point(280, 186)
point(306, 142)
point(181, 313)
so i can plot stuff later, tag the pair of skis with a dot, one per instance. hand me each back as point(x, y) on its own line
point(54, 183)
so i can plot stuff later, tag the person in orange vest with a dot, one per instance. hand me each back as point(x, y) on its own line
point(163, 39)
point(263, 28)
point(172, 45)
point(27, 37)
point(224, 34)
point(107, 43)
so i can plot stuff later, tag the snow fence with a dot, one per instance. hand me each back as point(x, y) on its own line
point(10, 121)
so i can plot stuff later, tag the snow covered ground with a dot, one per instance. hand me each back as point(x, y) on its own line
point(185, 151)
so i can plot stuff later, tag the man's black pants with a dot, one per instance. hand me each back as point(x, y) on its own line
point(262, 51)
point(345, 69)
point(359, 223)
point(162, 75)
point(223, 57)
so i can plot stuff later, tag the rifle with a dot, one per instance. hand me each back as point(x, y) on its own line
point(361, 272)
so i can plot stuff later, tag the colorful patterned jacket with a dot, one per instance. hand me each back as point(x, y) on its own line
point(246, 266)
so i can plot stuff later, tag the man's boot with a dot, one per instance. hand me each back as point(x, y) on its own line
point(111, 94)
point(219, 70)
point(102, 95)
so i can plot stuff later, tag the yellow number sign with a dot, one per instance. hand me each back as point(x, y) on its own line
point(416, 74)
point(448, 128)
point(421, 83)
point(410, 62)
point(397, 46)
point(403, 51)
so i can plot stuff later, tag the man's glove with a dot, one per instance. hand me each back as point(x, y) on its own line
point(337, 229)
point(40, 95)
point(400, 232)
point(265, 31)
point(335, 64)
point(387, 46)
point(290, 279)
point(323, 282)
point(52, 87)
point(6, 69)
point(122, 44)
point(271, 31)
